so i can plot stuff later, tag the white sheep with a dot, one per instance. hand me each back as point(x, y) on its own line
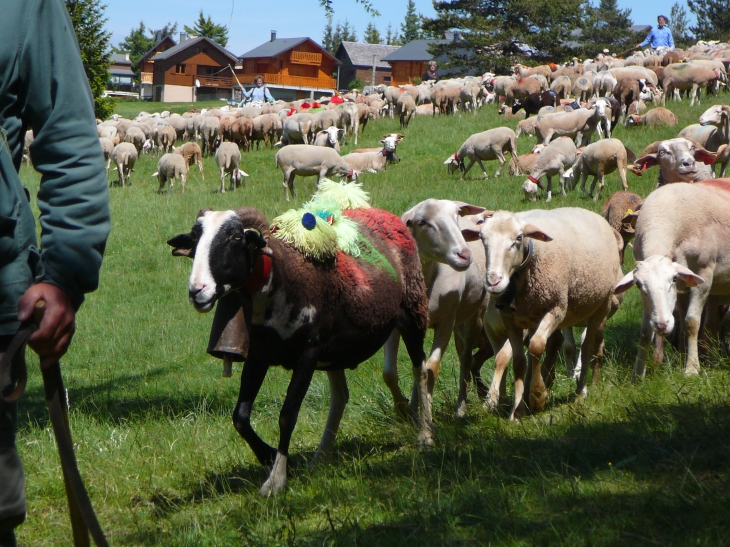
point(210, 131)
point(555, 159)
point(374, 162)
point(169, 168)
point(677, 160)
point(124, 157)
point(488, 145)
point(599, 159)
point(330, 137)
point(307, 160)
point(228, 159)
point(107, 146)
point(655, 116)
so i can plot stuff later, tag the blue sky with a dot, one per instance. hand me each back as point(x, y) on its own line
point(250, 22)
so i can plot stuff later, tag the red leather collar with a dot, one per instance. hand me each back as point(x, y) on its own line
point(384, 152)
point(533, 179)
point(259, 275)
point(456, 156)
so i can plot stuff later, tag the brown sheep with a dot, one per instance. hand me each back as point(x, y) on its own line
point(617, 208)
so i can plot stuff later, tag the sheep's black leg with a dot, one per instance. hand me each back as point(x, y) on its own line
point(298, 386)
point(251, 379)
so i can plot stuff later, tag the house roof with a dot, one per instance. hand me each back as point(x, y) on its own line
point(120, 59)
point(153, 48)
point(362, 54)
point(182, 46)
point(272, 48)
point(417, 50)
point(127, 72)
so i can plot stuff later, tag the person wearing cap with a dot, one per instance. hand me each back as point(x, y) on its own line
point(431, 73)
point(660, 36)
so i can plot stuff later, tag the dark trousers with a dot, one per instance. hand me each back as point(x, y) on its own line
point(12, 483)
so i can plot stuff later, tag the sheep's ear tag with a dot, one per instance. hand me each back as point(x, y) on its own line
point(253, 237)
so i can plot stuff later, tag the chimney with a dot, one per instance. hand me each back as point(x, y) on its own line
point(183, 37)
point(273, 35)
point(158, 35)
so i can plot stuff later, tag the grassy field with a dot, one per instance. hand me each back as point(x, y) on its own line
point(639, 464)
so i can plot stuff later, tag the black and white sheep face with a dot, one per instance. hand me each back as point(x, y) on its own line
point(223, 254)
point(656, 278)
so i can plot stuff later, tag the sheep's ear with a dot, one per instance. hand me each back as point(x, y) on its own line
point(645, 162)
point(528, 230)
point(382, 141)
point(705, 156)
point(630, 219)
point(448, 161)
point(253, 237)
point(470, 234)
point(467, 209)
point(182, 245)
point(203, 211)
point(625, 283)
point(407, 217)
point(688, 276)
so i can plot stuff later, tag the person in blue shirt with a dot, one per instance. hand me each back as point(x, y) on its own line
point(260, 92)
point(660, 36)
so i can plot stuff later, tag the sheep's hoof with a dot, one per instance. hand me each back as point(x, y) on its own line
point(461, 410)
point(691, 370)
point(404, 411)
point(519, 412)
point(581, 393)
point(538, 400)
point(425, 439)
point(491, 401)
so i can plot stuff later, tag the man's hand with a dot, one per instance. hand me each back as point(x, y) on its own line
point(54, 334)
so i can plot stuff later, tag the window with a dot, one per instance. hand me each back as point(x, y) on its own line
point(179, 69)
point(386, 80)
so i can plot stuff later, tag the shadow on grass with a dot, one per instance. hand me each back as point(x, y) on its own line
point(659, 477)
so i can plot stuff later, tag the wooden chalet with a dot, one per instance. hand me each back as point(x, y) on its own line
point(146, 65)
point(358, 60)
point(195, 69)
point(411, 61)
point(295, 67)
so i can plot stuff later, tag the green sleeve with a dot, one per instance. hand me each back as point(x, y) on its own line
point(73, 198)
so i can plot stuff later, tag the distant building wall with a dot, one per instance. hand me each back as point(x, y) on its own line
point(177, 94)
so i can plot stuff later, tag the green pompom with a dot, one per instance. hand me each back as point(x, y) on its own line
point(318, 243)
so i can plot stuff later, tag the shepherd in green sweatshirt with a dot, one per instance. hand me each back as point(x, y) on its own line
point(43, 86)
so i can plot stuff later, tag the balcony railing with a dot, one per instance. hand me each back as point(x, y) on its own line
point(295, 81)
point(215, 81)
point(306, 58)
point(146, 77)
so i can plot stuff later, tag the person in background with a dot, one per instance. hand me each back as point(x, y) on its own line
point(660, 36)
point(259, 93)
point(43, 85)
point(431, 73)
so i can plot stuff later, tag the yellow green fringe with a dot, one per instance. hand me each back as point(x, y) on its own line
point(346, 195)
point(320, 243)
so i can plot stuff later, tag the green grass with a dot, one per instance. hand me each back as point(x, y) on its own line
point(130, 109)
point(634, 464)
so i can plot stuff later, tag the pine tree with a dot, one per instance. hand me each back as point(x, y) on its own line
point(348, 32)
point(327, 35)
point(87, 17)
point(495, 32)
point(372, 35)
point(411, 26)
point(713, 19)
point(206, 27)
point(679, 25)
point(606, 27)
point(390, 38)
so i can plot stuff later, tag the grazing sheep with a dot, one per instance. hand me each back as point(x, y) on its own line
point(580, 124)
point(717, 116)
point(637, 107)
point(374, 162)
point(241, 132)
point(265, 128)
point(523, 164)
point(503, 86)
point(562, 86)
point(627, 91)
point(468, 96)
point(488, 145)
point(680, 248)
point(685, 76)
point(404, 109)
point(210, 131)
point(526, 126)
point(330, 137)
point(180, 125)
point(110, 132)
point(616, 209)
point(454, 274)
point(308, 314)
point(534, 102)
point(297, 128)
point(603, 84)
point(169, 168)
point(350, 119)
point(599, 159)
point(307, 160)
point(677, 160)
point(424, 110)
point(124, 157)
point(549, 270)
point(526, 86)
point(583, 88)
point(163, 137)
point(192, 154)
point(107, 146)
point(656, 116)
point(228, 159)
point(136, 136)
point(554, 159)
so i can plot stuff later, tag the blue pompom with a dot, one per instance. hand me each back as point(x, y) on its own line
point(309, 221)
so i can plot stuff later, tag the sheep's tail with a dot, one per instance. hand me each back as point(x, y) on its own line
point(156, 173)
